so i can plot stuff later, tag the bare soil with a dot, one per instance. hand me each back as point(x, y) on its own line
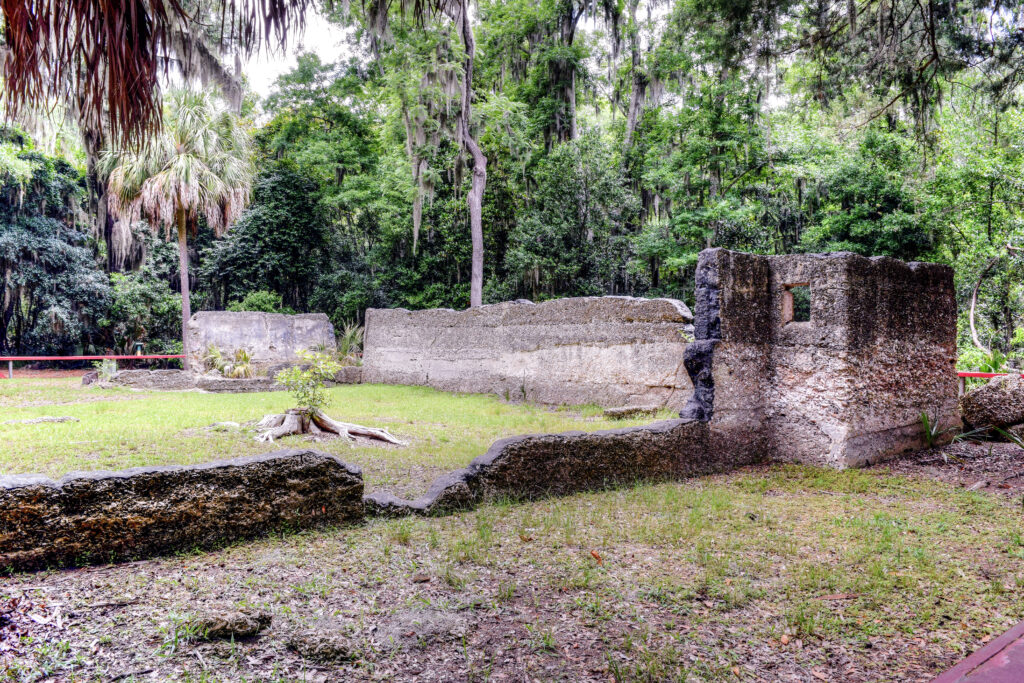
point(993, 466)
point(25, 373)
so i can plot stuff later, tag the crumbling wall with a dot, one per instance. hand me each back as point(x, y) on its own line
point(90, 517)
point(844, 388)
point(538, 465)
point(611, 351)
point(269, 338)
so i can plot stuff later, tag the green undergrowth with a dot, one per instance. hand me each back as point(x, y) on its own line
point(120, 428)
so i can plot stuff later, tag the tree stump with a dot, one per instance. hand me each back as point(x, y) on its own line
point(275, 426)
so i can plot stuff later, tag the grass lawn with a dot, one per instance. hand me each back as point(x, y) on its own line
point(770, 574)
point(767, 574)
point(121, 428)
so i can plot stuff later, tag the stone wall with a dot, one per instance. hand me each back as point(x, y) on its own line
point(846, 387)
point(611, 351)
point(533, 466)
point(92, 517)
point(269, 338)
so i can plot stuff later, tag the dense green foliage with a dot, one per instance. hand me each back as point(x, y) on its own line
point(621, 139)
point(51, 288)
point(143, 307)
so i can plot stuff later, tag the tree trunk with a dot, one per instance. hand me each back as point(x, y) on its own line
point(186, 306)
point(974, 304)
point(636, 101)
point(418, 166)
point(479, 180)
point(636, 98)
point(571, 97)
point(295, 421)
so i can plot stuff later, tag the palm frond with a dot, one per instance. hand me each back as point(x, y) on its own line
point(107, 55)
point(200, 164)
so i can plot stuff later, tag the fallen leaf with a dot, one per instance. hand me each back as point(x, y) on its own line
point(524, 538)
point(736, 670)
point(597, 557)
point(820, 676)
point(785, 639)
point(420, 578)
point(839, 596)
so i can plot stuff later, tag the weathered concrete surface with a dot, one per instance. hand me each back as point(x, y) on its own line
point(534, 466)
point(90, 517)
point(624, 412)
point(179, 380)
point(350, 374)
point(269, 338)
point(999, 403)
point(612, 351)
point(243, 385)
point(846, 388)
point(160, 380)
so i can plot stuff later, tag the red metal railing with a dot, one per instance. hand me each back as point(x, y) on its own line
point(985, 375)
point(11, 360)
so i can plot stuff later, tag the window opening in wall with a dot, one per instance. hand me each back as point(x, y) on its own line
point(796, 303)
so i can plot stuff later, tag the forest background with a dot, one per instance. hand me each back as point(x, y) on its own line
point(619, 138)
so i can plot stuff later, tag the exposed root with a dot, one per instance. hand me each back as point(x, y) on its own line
point(273, 427)
point(351, 430)
point(291, 423)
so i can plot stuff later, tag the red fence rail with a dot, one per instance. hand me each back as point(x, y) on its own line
point(11, 360)
point(985, 375)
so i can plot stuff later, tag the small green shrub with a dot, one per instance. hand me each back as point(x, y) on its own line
point(241, 366)
point(236, 367)
point(106, 368)
point(972, 359)
point(307, 385)
point(931, 430)
point(350, 344)
point(214, 359)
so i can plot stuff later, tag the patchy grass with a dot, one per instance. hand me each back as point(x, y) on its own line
point(781, 573)
point(122, 428)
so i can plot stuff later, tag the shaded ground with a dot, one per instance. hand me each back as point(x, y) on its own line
point(774, 574)
point(993, 466)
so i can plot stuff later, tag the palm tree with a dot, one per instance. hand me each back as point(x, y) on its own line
point(198, 165)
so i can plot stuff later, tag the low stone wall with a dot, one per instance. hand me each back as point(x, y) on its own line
point(241, 385)
point(612, 351)
point(114, 516)
point(269, 338)
point(534, 466)
point(160, 380)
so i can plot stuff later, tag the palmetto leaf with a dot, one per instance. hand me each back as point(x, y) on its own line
point(199, 163)
point(106, 55)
